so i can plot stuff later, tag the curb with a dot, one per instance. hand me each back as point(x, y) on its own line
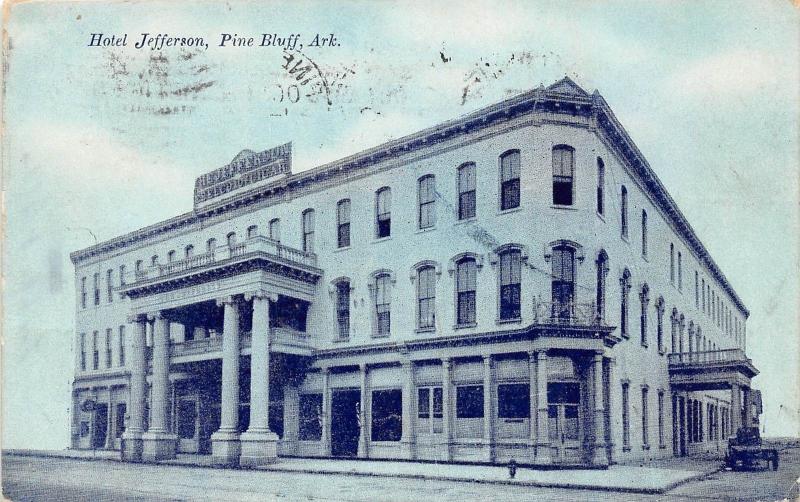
point(328, 472)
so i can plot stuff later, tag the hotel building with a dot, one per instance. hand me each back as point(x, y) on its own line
point(514, 283)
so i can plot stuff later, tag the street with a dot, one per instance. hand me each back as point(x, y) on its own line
point(39, 478)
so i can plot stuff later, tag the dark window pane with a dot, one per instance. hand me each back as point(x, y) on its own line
point(387, 414)
point(423, 403)
point(513, 400)
point(310, 417)
point(469, 401)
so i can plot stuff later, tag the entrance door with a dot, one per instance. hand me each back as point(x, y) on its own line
point(99, 434)
point(565, 424)
point(188, 426)
point(209, 424)
point(682, 426)
point(344, 423)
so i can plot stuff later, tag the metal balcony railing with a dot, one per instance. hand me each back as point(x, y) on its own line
point(566, 314)
point(707, 357)
point(223, 253)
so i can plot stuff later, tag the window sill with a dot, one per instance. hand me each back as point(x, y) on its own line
point(381, 336)
point(564, 206)
point(425, 330)
point(662, 447)
point(626, 448)
point(509, 321)
point(645, 258)
point(465, 221)
point(426, 229)
point(624, 238)
point(645, 446)
point(644, 344)
point(343, 248)
point(381, 239)
point(662, 352)
point(509, 210)
point(341, 340)
point(465, 325)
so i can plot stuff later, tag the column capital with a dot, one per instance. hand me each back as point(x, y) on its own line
point(542, 353)
point(406, 363)
point(261, 294)
point(531, 355)
point(363, 367)
point(447, 362)
point(155, 316)
point(487, 359)
point(137, 318)
point(227, 300)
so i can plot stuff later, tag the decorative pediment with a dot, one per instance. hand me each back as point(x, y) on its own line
point(568, 87)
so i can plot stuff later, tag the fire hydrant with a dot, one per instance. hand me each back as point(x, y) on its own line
point(512, 468)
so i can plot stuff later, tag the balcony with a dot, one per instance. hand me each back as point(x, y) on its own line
point(285, 340)
point(710, 370)
point(567, 314)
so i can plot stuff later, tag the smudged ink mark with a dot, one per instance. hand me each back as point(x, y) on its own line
point(445, 59)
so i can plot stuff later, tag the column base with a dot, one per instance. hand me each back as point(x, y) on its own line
point(157, 446)
point(407, 449)
point(225, 448)
point(543, 454)
point(362, 446)
point(600, 455)
point(132, 447)
point(258, 448)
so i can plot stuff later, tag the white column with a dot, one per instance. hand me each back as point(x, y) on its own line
point(736, 409)
point(225, 446)
point(259, 443)
point(132, 437)
point(326, 412)
point(748, 407)
point(159, 444)
point(532, 395)
point(407, 438)
point(599, 450)
point(543, 438)
point(363, 440)
point(447, 407)
point(488, 409)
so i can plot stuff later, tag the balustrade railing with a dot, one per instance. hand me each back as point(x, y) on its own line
point(566, 313)
point(204, 345)
point(708, 356)
point(220, 254)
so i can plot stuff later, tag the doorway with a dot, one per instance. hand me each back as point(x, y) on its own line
point(681, 426)
point(565, 424)
point(99, 434)
point(345, 428)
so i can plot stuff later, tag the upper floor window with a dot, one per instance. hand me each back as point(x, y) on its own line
point(624, 211)
point(95, 351)
point(171, 256)
point(680, 271)
point(602, 273)
point(427, 201)
point(466, 191)
point(154, 260)
point(211, 244)
point(563, 168)
point(122, 275)
point(83, 351)
point(96, 288)
point(660, 324)
point(308, 230)
point(343, 308)
point(188, 251)
point(509, 180)
point(252, 231)
point(109, 285)
point(466, 285)
point(108, 347)
point(83, 292)
point(275, 229)
point(644, 298)
point(383, 304)
point(601, 182)
point(644, 232)
point(138, 266)
point(703, 295)
point(696, 290)
point(625, 286)
point(626, 422)
point(343, 223)
point(563, 281)
point(510, 284)
point(383, 212)
point(121, 341)
point(230, 239)
point(672, 263)
point(426, 297)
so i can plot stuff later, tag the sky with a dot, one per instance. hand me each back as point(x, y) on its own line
point(100, 141)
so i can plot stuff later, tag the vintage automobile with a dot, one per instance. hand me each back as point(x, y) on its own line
point(746, 450)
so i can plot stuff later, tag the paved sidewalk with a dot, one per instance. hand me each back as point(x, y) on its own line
point(625, 478)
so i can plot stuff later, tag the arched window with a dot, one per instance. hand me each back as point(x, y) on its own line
point(602, 273)
point(672, 263)
point(644, 299)
point(211, 245)
point(696, 290)
point(601, 182)
point(624, 211)
point(137, 268)
point(660, 324)
point(426, 297)
point(510, 284)
point(343, 223)
point(308, 230)
point(563, 281)
point(509, 180)
point(563, 170)
point(427, 201)
point(383, 304)
point(275, 229)
point(644, 232)
point(466, 191)
point(171, 256)
point(230, 239)
point(383, 212)
point(252, 231)
point(625, 286)
point(466, 285)
point(153, 262)
point(343, 308)
point(680, 271)
point(674, 319)
point(188, 251)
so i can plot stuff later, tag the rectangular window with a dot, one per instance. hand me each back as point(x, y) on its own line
point(643, 320)
point(626, 424)
point(645, 432)
point(83, 292)
point(122, 275)
point(510, 285)
point(601, 181)
point(120, 419)
point(383, 213)
point(696, 290)
point(387, 415)
point(109, 285)
point(680, 271)
point(660, 326)
point(563, 282)
point(343, 223)
point(108, 347)
point(343, 309)
point(427, 202)
point(466, 191)
point(644, 233)
point(563, 166)
point(469, 401)
point(83, 351)
point(383, 300)
point(509, 180)
point(513, 400)
point(122, 345)
point(97, 289)
point(95, 351)
point(275, 229)
point(429, 402)
point(426, 298)
point(308, 230)
point(624, 211)
point(465, 291)
point(661, 438)
point(310, 417)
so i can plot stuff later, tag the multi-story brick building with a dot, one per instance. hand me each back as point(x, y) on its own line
point(514, 283)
